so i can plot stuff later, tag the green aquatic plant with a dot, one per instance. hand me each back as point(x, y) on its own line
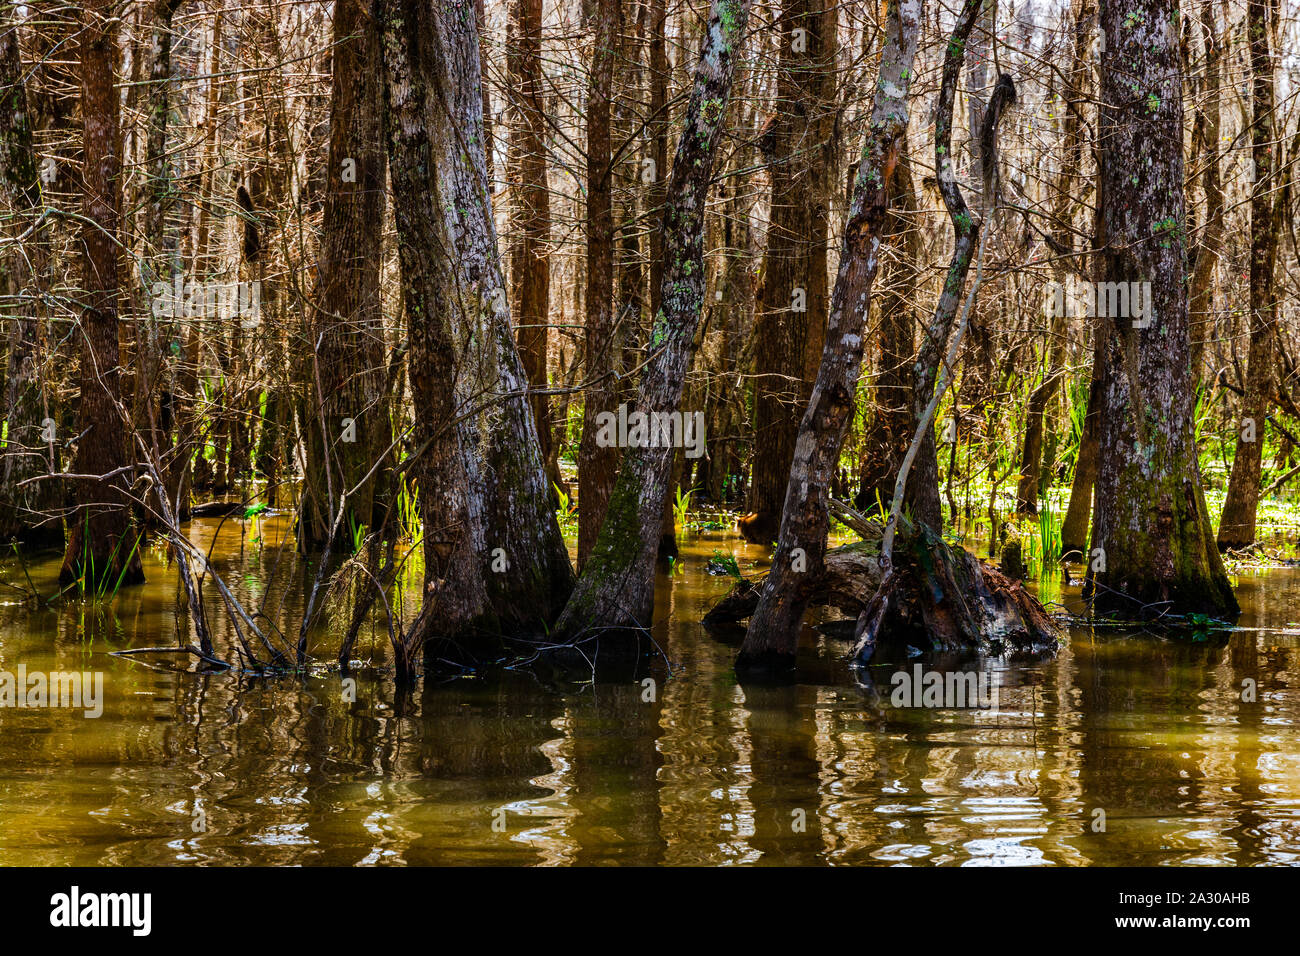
point(408, 512)
point(90, 584)
point(725, 564)
point(1045, 544)
point(567, 513)
point(681, 505)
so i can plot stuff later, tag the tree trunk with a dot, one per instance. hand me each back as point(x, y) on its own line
point(1207, 125)
point(977, 82)
point(597, 461)
point(1237, 524)
point(616, 587)
point(530, 273)
point(922, 493)
point(892, 425)
point(448, 490)
point(1058, 324)
point(1074, 527)
point(102, 542)
point(1150, 520)
point(348, 429)
point(773, 633)
point(28, 512)
point(792, 296)
point(657, 130)
point(491, 536)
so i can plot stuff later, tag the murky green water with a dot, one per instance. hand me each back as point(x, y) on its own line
point(226, 769)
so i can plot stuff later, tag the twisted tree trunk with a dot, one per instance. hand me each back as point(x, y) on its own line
point(774, 628)
point(939, 592)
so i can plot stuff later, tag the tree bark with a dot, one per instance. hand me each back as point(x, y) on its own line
point(347, 430)
point(530, 273)
point(597, 464)
point(102, 547)
point(616, 588)
point(1201, 298)
point(792, 296)
point(1150, 519)
point(28, 511)
point(1237, 524)
point(773, 633)
point(494, 548)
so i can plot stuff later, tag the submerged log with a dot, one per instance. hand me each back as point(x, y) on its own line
point(936, 597)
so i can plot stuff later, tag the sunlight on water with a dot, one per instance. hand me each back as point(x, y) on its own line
point(501, 768)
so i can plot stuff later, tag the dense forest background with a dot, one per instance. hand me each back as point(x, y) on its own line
point(1018, 276)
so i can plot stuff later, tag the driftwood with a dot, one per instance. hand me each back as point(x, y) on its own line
point(939, 597)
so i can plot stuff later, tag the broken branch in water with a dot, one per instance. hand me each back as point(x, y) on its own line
point(186, 649)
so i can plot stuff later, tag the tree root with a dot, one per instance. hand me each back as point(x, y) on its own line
point(934, 597)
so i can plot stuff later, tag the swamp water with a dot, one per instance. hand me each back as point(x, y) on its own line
point(500, 769)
